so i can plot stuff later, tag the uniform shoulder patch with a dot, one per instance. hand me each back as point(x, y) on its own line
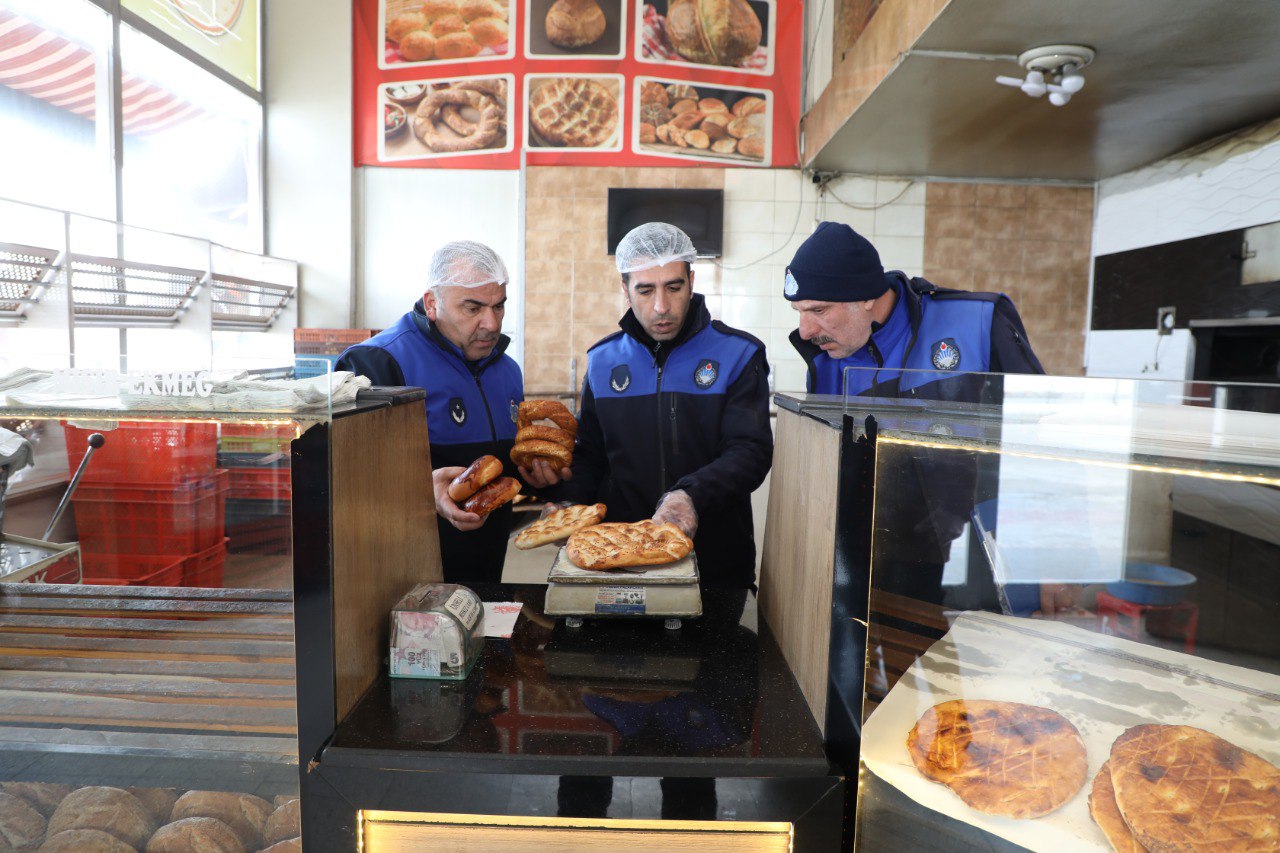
point(620, 378)
point(458, 411)
point(946, 354)
point(706, 372)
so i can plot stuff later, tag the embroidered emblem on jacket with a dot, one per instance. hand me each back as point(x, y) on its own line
point(704, 375)
point(458, 411)
point(620, 378)
point(946, 355)
point(515, 411)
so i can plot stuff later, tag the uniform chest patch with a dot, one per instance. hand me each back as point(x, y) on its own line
point(515, 411)
point(946, 355)
point(620, 378)
point(458, 411)
point(706, 373)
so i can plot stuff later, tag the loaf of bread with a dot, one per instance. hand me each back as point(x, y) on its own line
point(196, 835)
point(575, 23)
point(244, 813)
point(21, 826)
point(283, 799)
point(713, 32)
point(41, 796)
point(84, 841)
point(111, 810)
point(293, 845)
point(285, 822)
point(158, 801)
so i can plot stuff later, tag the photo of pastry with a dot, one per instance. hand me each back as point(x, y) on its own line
point(441, 31)
point(568, 29)
point(700, 122)
point(576, 112)
point(733, 34)
point(439, 118)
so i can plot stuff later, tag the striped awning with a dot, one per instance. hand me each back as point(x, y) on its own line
point(43, 64)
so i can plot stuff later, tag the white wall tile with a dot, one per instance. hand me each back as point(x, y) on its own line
point(781, 314)
point(901, 252)
point(788, 184)
point(785, 216)
point(854, 190)
point(899, 191)
point(753, 280)
point(899, 220)
point(748, 185)
point(753, 216)
point(746, 312)
point(777, 341)
point(790, 375)
point(862, 221)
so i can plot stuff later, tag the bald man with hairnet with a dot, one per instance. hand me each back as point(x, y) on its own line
point(451, 345)
point(674, 423)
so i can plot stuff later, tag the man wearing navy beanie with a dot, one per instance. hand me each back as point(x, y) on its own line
point(854, 314)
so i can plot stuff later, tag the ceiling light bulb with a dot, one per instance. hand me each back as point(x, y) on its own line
point(1059, 99)
point(1034, 85)
point(1072, 82)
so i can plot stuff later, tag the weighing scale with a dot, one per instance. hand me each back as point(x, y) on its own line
point(669, 592)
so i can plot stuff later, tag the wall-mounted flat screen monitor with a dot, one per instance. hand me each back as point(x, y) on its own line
point(699, 213)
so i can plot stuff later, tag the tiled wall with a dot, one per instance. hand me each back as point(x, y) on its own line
point(1028, 241)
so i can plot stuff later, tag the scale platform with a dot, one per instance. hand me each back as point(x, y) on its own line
point(666, 592)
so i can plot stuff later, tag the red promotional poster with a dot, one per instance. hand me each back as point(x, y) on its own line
point(474, 83)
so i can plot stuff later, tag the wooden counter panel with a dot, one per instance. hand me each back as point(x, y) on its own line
point(796, 572)
point(384, 536)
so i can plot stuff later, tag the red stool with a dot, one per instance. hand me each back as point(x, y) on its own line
point(1121, 618)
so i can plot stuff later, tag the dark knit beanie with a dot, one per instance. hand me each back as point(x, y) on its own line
point(836, 264)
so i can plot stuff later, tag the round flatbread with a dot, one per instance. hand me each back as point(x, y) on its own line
point(1180, 788)
point(1001, 758)
point(1106, 814)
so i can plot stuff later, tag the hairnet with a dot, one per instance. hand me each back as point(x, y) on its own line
point(466, 263)
point(653, 244)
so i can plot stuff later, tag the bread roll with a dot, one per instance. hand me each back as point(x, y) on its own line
point(110, 810)
point(752, 146)
point(457, 46)
point(41, 796)
point(713, 130)
point(684, 105)
point(158, 801)
point(434, 9)
point(283, 799)
point(293, 845)
point(698, 139)
point(84, 841)
point(575, 23)
point(488, 32)
point(472, 9)
point(196, 835)
point(284, 822)
point(401, 25)
point(448, 24)
point(750, 105)
point(689, 120)
point(712, 105)
point(21, 826)
point(418, 46)
point(244, 813)
point(648, 133)
point(681, 91)
point(752, 125)
point(725, 145)
point(713, 32)
point(652, 92)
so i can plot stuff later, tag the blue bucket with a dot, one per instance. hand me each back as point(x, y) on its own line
point(1145, 583)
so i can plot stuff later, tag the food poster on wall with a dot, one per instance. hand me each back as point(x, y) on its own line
point(225, 32)
point(474, 83)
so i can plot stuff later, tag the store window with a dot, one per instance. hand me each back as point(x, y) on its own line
point(192, 148)
point(55, 105)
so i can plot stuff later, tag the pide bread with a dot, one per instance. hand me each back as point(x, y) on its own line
point(1106, 814)
point(196, 835)
point(616, 545)
point(1181, 788)
point(111, 810)
point(559, 525)
point(1001, 758)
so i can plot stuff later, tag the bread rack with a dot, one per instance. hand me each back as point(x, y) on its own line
point(668, 592)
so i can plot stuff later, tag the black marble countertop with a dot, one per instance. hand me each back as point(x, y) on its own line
point(614, 697)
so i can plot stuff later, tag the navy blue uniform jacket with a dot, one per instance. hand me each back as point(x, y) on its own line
point(471, 411)
point(692, 414)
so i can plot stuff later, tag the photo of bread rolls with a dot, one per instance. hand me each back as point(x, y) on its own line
point(703, 122)
point(445, 30)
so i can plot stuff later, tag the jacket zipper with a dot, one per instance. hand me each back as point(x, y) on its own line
point(1017, 338)
point(493, 432)
point(662, 456)
point(875, 354)
point(675, 428)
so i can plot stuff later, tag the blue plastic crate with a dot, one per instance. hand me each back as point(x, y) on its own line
point(307, 366)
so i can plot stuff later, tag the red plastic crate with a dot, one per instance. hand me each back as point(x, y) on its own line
point(169, 574)
point(150, 518)
point(205, 568)
point(150, 452)
point(285, 431)
point(274, 484)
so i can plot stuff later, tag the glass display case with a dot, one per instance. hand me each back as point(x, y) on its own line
point(1071, 637)
point(148, 664)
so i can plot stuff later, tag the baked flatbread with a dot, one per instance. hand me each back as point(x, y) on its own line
point(1106, 814)
point(1001, 758)
point(1181, 788)
point(559, 525)
point(615, 546)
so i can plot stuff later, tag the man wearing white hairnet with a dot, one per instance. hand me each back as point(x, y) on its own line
point(675, 412)
point(451, 345)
